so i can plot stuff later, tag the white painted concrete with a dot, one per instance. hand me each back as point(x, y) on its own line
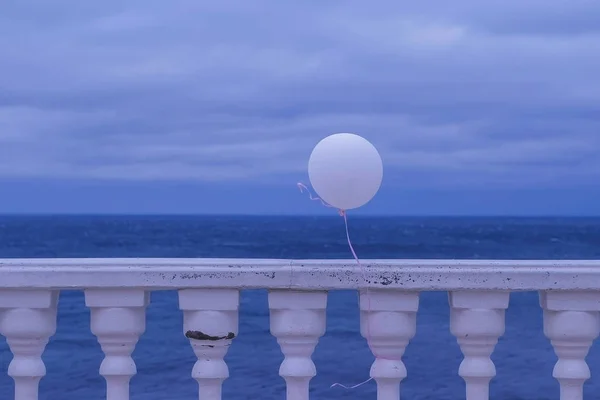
point(300, 274)
point(117, 292)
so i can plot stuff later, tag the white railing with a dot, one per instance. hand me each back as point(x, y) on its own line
point(117, 292)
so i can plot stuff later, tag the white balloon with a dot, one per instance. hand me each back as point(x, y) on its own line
point(345, 170)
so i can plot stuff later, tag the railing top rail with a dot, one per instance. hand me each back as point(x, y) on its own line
point(172, 273)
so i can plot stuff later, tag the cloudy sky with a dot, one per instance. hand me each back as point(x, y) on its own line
point(477, 107)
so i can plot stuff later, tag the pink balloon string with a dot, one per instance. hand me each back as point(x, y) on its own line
point(304, 188)
point(343, 214)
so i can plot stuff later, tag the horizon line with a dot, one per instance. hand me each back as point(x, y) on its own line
point(358, 215)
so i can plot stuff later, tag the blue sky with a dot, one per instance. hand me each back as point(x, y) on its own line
point(214, 107)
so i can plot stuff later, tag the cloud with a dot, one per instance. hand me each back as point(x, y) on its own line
point(466, 93)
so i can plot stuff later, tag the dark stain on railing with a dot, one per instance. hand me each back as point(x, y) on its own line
point(197, 335)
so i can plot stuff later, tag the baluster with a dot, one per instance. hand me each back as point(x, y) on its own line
point(477, 321)
point(210, 322)
point(118, 319)
point(297, 321)
point(27, 320)
point(571, 322)
point(388, 320)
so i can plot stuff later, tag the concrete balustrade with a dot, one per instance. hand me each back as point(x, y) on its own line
point(117, 293)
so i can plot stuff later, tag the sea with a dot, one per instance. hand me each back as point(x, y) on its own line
point(524, 358)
